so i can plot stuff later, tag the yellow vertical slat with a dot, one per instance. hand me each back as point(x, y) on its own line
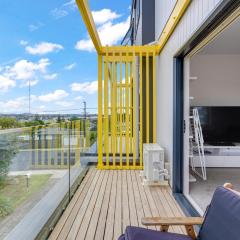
point(77, 135)
point(30, 130)
point(36, 145)
point(80, 135)
point(134, 111)
point(87, 133)
point(43, 140)
point(140, 111)
point(113, 111)
point(131, 106)
point(68, 143)
point(147, 97)
point(62, 134)
point(121, 112)
point(106, 146)
point(56, 130)
point(154, 94)
point(127, 114)
point(49, 145)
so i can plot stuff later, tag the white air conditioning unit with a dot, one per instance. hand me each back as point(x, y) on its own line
point(154, 171)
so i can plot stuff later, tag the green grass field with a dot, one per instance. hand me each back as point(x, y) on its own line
point(14, 192)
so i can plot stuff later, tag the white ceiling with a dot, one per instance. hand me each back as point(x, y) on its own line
point(228, 42)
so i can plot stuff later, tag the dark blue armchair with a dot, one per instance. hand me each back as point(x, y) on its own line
point(221, 221)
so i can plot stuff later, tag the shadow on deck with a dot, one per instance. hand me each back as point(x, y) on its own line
point(108, 201)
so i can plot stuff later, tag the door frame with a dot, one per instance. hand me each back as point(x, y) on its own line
point(218, 20)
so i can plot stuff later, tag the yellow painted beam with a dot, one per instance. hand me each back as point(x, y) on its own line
point(134, 112)
point(177, 13)
point(154, 96)
point(100, 142)
point(113, 113)
point(140, 111)
point(127, 114)
point(121, 111)
point(147, 101)
point(106, 129)
point(131, 106)
point(127, 51)
point(89, 23)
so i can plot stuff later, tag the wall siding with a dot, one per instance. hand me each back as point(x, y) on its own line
point(195, 15)
point(163, 9)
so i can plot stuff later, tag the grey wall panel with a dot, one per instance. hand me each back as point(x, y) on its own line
point(190, 22)
point(148, 22)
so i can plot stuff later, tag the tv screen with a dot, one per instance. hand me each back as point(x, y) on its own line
point(220, 124)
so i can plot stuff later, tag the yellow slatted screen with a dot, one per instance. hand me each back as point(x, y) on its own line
point(126, 110)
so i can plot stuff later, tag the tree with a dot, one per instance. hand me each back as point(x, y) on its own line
point(8, 150)
point(74, 118)
point(59, 120)
point(93, 137)
point(34, 123)
point(7, 122)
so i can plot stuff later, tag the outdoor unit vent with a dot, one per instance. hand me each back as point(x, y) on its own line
point(153, 164)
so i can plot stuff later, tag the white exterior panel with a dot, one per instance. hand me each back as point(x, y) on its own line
point(195, 15)
point(163, 9)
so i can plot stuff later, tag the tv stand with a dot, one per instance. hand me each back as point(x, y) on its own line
point(221, 156)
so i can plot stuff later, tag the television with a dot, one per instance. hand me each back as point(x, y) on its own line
point(220, 125)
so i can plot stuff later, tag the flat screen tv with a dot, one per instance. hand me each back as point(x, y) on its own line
point(220, 124)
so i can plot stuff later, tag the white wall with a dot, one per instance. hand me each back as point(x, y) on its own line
point(218, 82)
point(190, 22)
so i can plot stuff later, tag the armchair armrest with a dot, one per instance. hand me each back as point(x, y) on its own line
point(160, 221)
point(165, 222)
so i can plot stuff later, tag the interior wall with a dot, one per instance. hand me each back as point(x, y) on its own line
point(218, 80)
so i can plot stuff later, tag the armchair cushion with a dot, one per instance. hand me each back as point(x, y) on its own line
point(222, 221)
point(136, 233)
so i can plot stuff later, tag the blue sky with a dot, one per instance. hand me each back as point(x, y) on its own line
point(45, 43)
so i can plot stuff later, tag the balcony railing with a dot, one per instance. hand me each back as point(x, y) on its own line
point(40, 167)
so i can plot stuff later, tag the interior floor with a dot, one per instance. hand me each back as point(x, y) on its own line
point(201, 191)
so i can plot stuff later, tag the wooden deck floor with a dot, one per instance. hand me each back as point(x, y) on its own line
point(108, 201)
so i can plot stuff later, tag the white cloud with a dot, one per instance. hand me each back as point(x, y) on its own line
point(43, 48)
point(6, 83)
point(64, 9)
point(51, 76)
point(71, 4)
point(17, 105)
point(109, 34)
point(58, 13)
point(34, 27)
point(104, 15)
point(85, 45)
point(87, 87)
point(30, 82)
point(27, 71)
point(53, 96)
point(13, 104)
point(64, 103)
point(70, 67)
point(79, 98)
point(23, 42)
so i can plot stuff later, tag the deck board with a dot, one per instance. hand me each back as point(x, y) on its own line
point(108, 201)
